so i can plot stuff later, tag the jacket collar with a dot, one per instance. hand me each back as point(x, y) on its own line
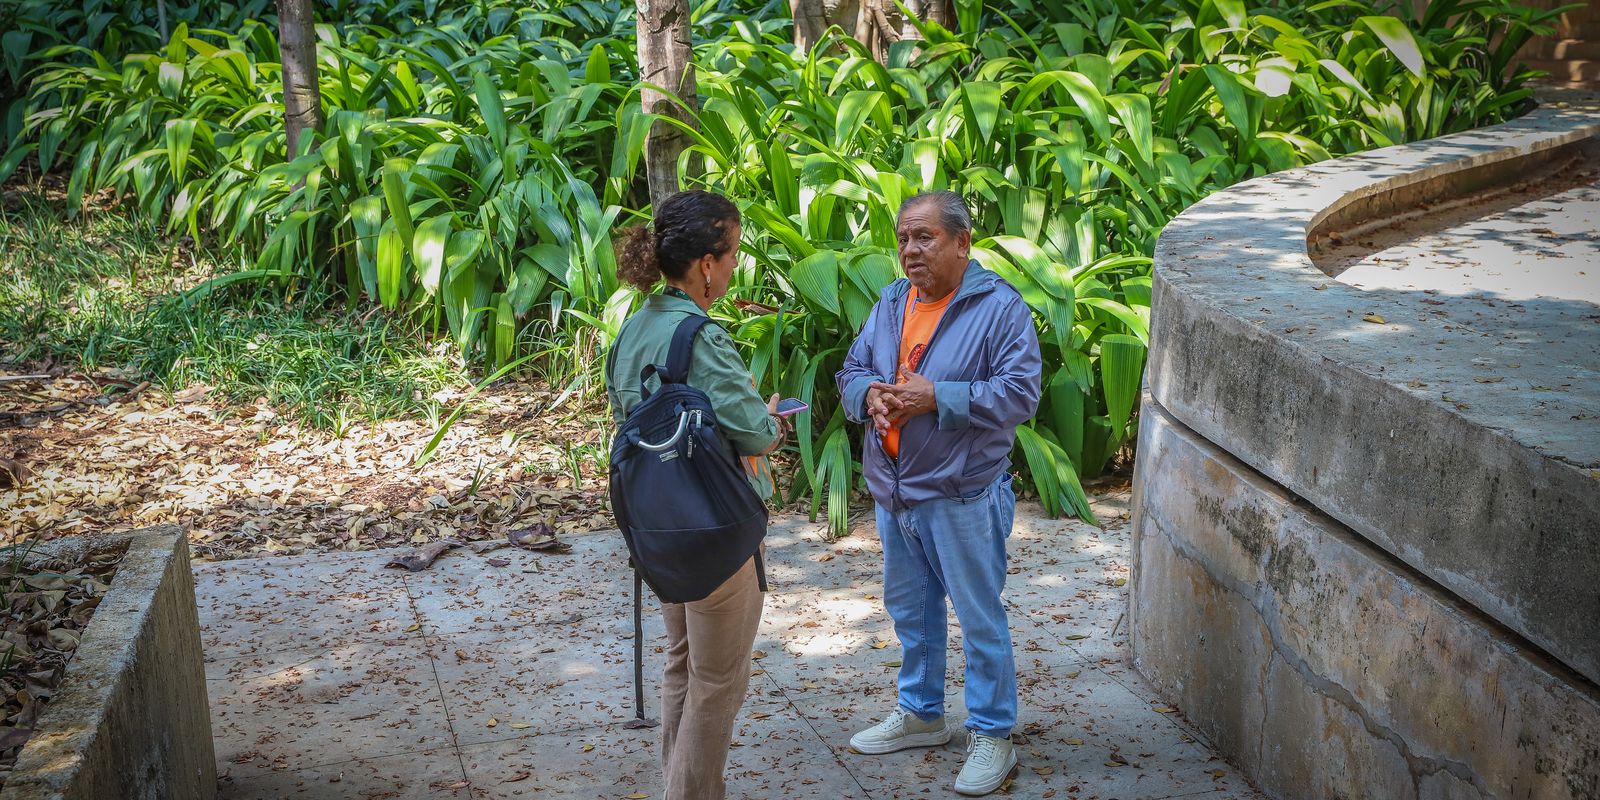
point(667, 302)
point(976, 280)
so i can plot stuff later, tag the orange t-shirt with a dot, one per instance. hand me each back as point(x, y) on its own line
point(921, 319)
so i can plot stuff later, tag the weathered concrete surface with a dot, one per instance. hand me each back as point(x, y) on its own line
point(389, 684)
point(130, 718)
point(1321, 665)
point(1370, 406)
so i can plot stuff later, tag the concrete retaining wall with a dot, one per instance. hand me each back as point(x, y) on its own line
point(130, 718)
point(1384, 427)
point(1365, 560)
point(1321, 665)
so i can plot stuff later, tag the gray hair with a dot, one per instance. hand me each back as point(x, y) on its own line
point(953, 213)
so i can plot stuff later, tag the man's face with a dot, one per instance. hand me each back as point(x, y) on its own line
point(933, 258)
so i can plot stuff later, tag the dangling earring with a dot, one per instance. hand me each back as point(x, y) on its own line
point(708, 287)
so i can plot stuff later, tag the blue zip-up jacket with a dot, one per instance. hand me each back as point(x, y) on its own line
point(983, 359)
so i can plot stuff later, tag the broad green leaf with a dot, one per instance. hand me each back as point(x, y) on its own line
point(180, 139)
point(1064, 405)
point(982, 101)
point(1397, 37)
point(427, 247)
point(1038, 266)
point(854, 110)
point(1134, 112)
point(816, 277)
point(491, 107)
point(1121, 365)
point(391, 266)
point(1234, 102)
point(395, 172)
point(366, 216)
point(1338, 70)
point(505, 329)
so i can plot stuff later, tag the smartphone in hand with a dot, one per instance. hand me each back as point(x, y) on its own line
point(789, 406)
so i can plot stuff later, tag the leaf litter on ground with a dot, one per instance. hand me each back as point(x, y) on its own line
point(246, 482)
point(47, 604)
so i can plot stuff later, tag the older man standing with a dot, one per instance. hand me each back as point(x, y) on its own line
point(945, 369)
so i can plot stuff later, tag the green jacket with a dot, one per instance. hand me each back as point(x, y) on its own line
point(714, 368)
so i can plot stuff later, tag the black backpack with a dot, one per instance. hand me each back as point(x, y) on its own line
point(688, 513)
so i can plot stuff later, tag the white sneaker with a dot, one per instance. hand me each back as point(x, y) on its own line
point(989, 761)
point(900, 730)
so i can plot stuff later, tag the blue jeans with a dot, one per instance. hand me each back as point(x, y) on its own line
point(953, 547)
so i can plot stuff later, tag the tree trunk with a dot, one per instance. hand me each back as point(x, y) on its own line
point(875, 28)
point(810, 20)
point(666, 60)
point(940, 11)
point(813, 17)
point(161, 15)
point(297, 43)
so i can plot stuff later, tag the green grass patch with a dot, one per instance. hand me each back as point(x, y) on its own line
point(104, 290)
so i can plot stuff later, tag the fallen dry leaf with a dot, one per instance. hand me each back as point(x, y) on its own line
point(1375, 318)
point(538, 537)
point(420, 558)
point(13, 473)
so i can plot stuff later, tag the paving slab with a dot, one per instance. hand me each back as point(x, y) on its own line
point(331, 676)
point(428, 774)
point(298, 603)
point(298, 710)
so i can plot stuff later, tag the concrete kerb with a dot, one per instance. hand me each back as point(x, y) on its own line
point(1334, 392)
point(130, 718)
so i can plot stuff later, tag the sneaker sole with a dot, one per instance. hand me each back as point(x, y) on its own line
point(931, 739)
point(972, 790)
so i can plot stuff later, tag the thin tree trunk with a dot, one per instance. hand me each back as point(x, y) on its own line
point(161, 15)
point(810, 20)
point(666, 60)
point(940, 11)
point(297, 44)
point(875, 30)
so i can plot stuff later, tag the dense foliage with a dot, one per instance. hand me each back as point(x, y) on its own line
point(478, 154)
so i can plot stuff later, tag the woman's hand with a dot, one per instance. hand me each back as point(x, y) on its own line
point(783, 423)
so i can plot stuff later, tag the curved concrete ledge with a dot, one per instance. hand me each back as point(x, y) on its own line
point(1385, 425)
point(130, 718)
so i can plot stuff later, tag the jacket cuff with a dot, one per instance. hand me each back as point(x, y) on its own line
point(855, 397)
point(955, 403)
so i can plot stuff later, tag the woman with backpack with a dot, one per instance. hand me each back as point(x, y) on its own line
point(691, 250)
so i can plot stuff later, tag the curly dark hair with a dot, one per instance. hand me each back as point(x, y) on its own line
point(688, 225)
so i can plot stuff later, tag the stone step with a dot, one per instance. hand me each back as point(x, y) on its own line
point(1572, 70)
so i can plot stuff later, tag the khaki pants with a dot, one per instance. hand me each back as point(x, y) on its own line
point(703, 686)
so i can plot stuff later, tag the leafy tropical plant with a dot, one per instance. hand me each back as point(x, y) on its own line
point(477, 154)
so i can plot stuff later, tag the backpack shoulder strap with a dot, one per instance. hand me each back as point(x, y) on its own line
point(676, 370)
point(682, 348)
